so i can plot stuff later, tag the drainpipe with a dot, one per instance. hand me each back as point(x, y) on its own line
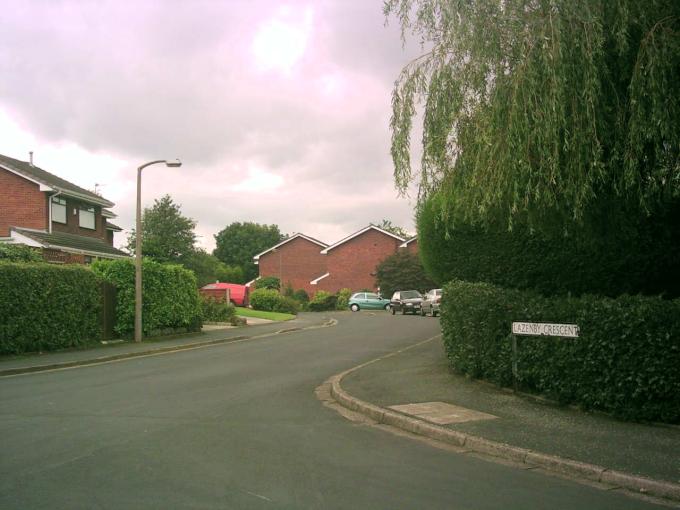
point(49, 211)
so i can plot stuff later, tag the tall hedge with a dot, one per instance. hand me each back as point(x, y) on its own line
point(626, 360)
point(644, 258)
point(46, 307)
point(170, 298)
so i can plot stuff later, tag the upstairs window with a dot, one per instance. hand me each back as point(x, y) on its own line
point(86, 217)
point(59, 210)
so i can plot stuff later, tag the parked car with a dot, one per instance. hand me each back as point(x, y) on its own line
point(368, 301)
point(406, 301)
point(431, 302)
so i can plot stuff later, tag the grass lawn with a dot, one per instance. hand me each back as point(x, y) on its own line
point(272, 316)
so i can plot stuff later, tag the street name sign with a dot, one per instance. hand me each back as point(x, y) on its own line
point(545, 329)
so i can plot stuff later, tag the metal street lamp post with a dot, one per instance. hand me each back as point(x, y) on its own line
point(138, 245)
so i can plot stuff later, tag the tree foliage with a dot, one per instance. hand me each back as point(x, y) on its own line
point(388, 226)
point(402, 271)
point(209, 269)
point(542, 111)
point(19, 253)
point(167, 235)
point(238, 243)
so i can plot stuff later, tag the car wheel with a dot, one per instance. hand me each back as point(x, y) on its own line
point(387, 307)
point(393, 310)
point(354, 307)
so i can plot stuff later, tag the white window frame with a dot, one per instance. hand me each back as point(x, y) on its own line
point(81, 217)
point(58, 204)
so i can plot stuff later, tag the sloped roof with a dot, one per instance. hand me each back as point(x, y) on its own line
point(111, 226)
point(35, 173)
point(358, 233)
point(256, 258)
point(71, 243)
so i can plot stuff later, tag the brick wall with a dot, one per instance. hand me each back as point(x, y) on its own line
point(22, 204)
point(296, 262)
point(412, 247)
point(60, 257)
point(352, 264)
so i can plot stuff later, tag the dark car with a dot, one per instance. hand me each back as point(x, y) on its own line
point(406, 301)
point(431, 302)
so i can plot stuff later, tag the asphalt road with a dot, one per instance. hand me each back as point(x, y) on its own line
point(238, 426)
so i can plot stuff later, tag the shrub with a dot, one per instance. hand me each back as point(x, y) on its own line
point(323, 301)
point(402, 271)
point(19, 253)
point(46, 307)
point(301, 296)
point(642, 259)
point(217, 311)
point(170, 301)
point(343, 299)
point(268, 282)
point(625, 361)
point(269, 300)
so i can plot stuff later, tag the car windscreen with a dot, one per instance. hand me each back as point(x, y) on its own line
point(410, 294)
point(372, 296)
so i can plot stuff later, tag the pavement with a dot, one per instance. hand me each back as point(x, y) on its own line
point(36, 362)
point(644, 458)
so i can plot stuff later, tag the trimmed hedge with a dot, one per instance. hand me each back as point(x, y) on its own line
point(625, 362)
point(46, 307)
point(269, 300)
point(323, 301)
point(644, 258)
point(170, 302)
point(213, 310)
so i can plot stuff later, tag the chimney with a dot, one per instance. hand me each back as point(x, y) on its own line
point(30, 158)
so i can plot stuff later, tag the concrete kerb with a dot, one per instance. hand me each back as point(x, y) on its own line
point(152, 352)
point(552, 463)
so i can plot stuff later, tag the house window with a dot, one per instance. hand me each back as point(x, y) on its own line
point(58, 210)
point(86, 217)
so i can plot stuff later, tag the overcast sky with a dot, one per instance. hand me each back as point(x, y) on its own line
point(279, 110)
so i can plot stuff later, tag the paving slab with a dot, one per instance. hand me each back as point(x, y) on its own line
point(422, 375)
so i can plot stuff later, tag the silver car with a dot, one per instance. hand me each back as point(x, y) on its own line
point(431, 302)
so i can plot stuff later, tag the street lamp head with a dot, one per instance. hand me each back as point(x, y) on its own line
point(173, 164)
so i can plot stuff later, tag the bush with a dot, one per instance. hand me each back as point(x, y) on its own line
point(642, 259)
point(171, 300)
point(217, 311)
point(47, 307)
point(343, 299)
point(301, 296)
point(268, 282)
point(19, 253)
point(323, 301)
point(269, 300)
point(625, 361)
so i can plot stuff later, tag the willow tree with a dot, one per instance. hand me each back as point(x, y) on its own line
point(541, 112)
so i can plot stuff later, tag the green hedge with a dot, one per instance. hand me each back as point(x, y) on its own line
point(625, 361)
point(323, 301)
point(217, 311)
point(170, 301)
point(644, 258)
point(47, 307)
point(270, 300)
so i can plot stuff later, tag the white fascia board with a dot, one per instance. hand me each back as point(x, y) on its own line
point(252, 281)
point(109, 214)
point(317, 280)
point(85, 198)
point(42, 186)
point(405, 244)
point(256, 258)
point(352, 236)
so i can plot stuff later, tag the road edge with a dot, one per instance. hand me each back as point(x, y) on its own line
point(552, 463)
point(152, 352)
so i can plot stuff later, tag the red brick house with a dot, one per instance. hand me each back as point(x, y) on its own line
point(296, 260)
point(68, 224)
point(411, 245)
point(311, 265)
